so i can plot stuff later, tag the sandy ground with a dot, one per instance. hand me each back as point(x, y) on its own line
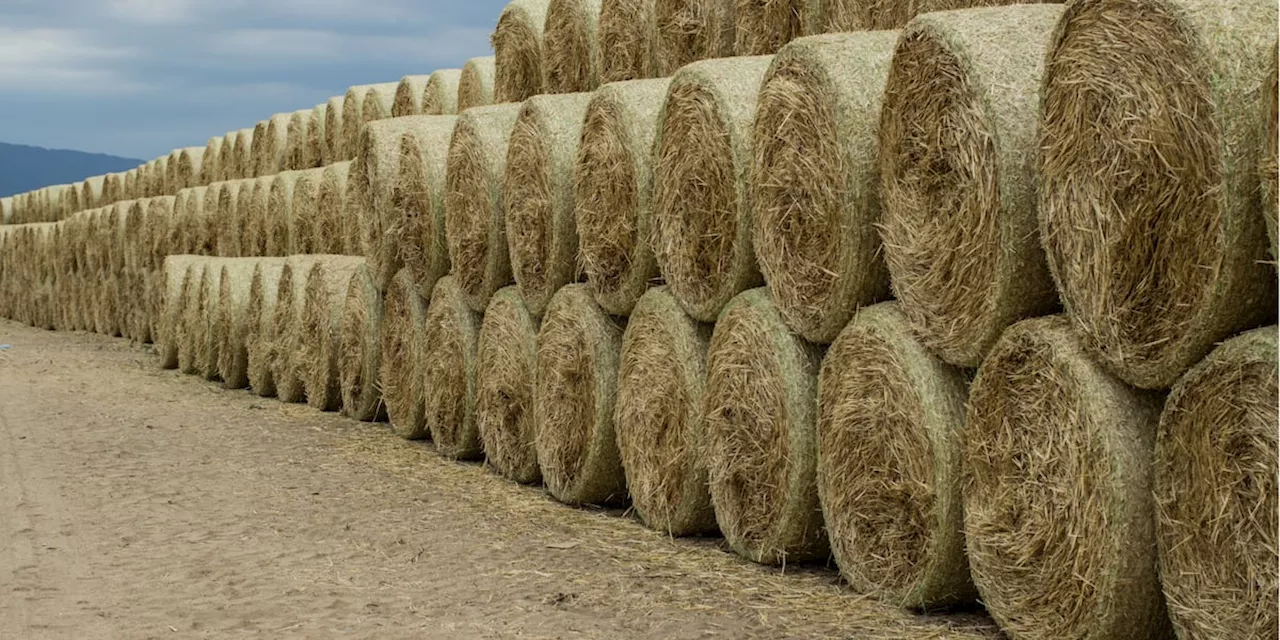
point(140, 503)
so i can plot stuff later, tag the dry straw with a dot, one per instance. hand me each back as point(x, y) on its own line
point(1215, 487)
point(448, 367)
point(1270, 166)
point(304, 209)
point(574, 394)
point(333, 123)
point(270, 139)
point(299, 150)
point(168, 336)
point(692, 30)
point(287, 371)
point(474, 218)
point(814, 185)
point(440, 96)
point(259, 336)
point(91, 192)
point(316, 135)
point(957, 146)
point(211, 162)
point(518, 50)
point(229, 321)
point(189, 170)
point(251, 210)
point(628, 39)
point(331, 202)
point(112, 188)
point(360, 354)
point(570, 54)
point(764, 26)
point(403, 330)
point(760, 405)
point(362, 105)
point(408, 97)
point(227, 164)
point(702, 157)
point(1059, 513)
point(418, 197)
point(202, 324)
point(318, 337)
point(861, 15)
point(506, 362)
point(372, 204)
point(1149, 177)
point(475, 85)
point(277, 214)
point(242, 156)
point(538, 195)
point(186, 328)
point(661, 376)
point(889, 455)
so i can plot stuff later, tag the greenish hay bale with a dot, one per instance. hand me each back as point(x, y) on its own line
point(259, 327)
point(228, 218)
point(570, 57)
point(764, 26)
point(475, 228)
point(440, 96)
point(1215, 490)
point(628, 40)
point(518, 50)
point(662, 372)
point(318, 335)
point(279, 226)
point(506, 363)
point(890, 416)
point(1270, 165)
point(333, 130)
point(270, 158)
point(574, 394)
point(362, 104)
point(701, 216)
point(814, 184)
point(299, 153)
point(418, 199)
point(958, 132)
point(448, 366)
point(408, 96)
point(760, 404)
point(304, 209)
point(251, 206)
point(403, 331)
point(242, 165)
point(210, 164)
point(538, 195)
point(327, 234)
point(316, 136)
point(1059, 513)
point(227, 163)
point(692, 30)
point(475, 84)
point(186, 332)
point(230, 323)
point(188, 171)
point(286, 318)
point(1149, 181)
point(360, 355)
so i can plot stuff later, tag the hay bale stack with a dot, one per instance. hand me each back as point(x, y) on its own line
point(1149, 212)
point(570, 53)
point(188, 171)
point(1215, 488)
point(760, 443)
point(333, 126)
point(6, 210)
point(316, 135)
point(628, 40)
point(299, 150)
point(270, 158)
point(764, 26)
point(227, 164)
point(863, 15)
point(814, 183)
point(112, 189)
point(702, 221)
point(199, 220)
point(285, 334)
point(1270, 165)
point(538, 195)
point(331, 202)
point(957, 137)
point(211, 162)
point(418, 199)
point(242, 156)
point(70, 200)
point(408, 97)
point(692, 30)
point(475, 84)
point(440, 96)
point(403, 330)
point(91, 192)
point(1059, 514)
point(574, 394)
point(201, 324)
point(176, 284)
point(318, 335)
point(448, 368)
point(360, 356)
point(251, 205)
point(518, 50)
point(305, 208)
point(278, 215)
point(475, 225)
point(225, 316)
point(662, 372)
point(889, 454)
point(360, 106)
point(187, 329)
point(506, 362)
point(259, 328)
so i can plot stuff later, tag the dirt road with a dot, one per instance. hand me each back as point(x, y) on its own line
point(140, 503)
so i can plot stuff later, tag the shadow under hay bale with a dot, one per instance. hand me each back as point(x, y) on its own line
point(506, 363)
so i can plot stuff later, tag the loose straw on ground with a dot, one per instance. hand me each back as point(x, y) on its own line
point(570, 57)
point(318, 340)
point(440, 96)
point(628, 40)
point(400, 378)
point(360, 353)
point(475, 85)
point(448, 366)
point(259, 328)
point(418, 199)
point(692, 30)
point(518, 50)
point(506, 362)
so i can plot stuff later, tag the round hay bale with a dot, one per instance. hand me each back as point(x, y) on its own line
point(326, 228)
point(285, 334)
point(259, 327)
point(418, 198)
point(662, 372)
point(862, 15)
point(91, 192)
point(1270, 166)
point(440, 96)
point(210, 165)
point(958, 129)
point(475, 84)
point(702, 221)
point(333, 124)
point(362, 105)
point(628, 40)
point(448, 367)
point(764, 26)
point(270, 158)
point(1215, 490)
point(199, 220)
point(570, 57)
point(187, 326)
point(200, 324)
point(316, 135)
point(318, 336)
point(474, 218)
point(112, 188)
point(229, 218)
point(518, 50)
point(299, 150)
point(1148, 196)
point(70, 200)
point(403, 330)
point(228, 322)
point(157, 236)
point(305, 209)
point(278, 215)
point(188, 171)
point(251, 209)
point(1059, 514)
point(360, 356)
point(227, 164)
point(176, 284)
point(506, 362)
point(242, 156)
point(760, 404)
point(574, 393)
point(814, 184)
point(408, 97)
point(889, 454)
point(692, 30)
point(614, 180)
point(538, 195)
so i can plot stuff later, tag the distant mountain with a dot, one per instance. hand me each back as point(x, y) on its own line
point(24, 168)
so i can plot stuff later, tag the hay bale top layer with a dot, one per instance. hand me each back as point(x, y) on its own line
point(764, 27)
point(408, 96)
point(333, 124)
point(692, 30)
point(570, 57)
point(440, 96)
point(316, 135)
point(506, 363)
point(518, 50)
point(627, 40)
point(475, 84)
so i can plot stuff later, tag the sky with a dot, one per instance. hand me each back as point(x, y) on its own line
point(139, 78)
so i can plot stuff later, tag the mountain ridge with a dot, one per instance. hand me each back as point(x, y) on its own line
point(25, 168)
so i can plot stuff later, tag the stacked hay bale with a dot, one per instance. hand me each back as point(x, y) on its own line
point(333, 125)
point(570, 53)
point(448, 369)
point(518, 50)
point(764, 27)
point(403, 331)
point(316, 135)
point(233, 324)
point(417, 225)
point(627, 39)
point(327, 234)
point(317, 337)
point(299, 151)
point(506, 365)
point(440, 96)
point(362, 105)
point(475, 84)
point(692, 30)
point(408, 96)
point(1270, 166)
point(251, 207)
point(259, 327)
point(360, 354)
point(211, 162)
point(287, 372)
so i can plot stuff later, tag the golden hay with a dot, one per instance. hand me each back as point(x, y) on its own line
point(270, 157)
point(1270, 164)
point(518, 50)
point(662, 371)
point(570, 57)
point(861, 15)
point(627, 40)
point(575, 388)
point(475, 85)
point(188, 172)
point(538, 195)
point(331, 202)
point(186, 328)
point(112, 188)
point(448, 368)
point(474, 218)
point(363, 104)
point(506, 360)
point(440, 96)
point(403, 328)
point(242, 162)
point(417, 199)
point(408, 96)
point(1215, 488)
point(251, 211)
point(299, 150)
point(277, 215)
point(199, 220)
point(91, 192)
point(259, 336)
point(764, 26)
point(760, 405)
point(360, 352)
point(701, 218)
point(285, 329)
point(176, 283)
point(201, 324)
point(318, 335)
point(692, 30)
point(230, 324)
point(210, 165)
point(333, 124)
point(316, 135)
point(227, 164)
point(814, 184)
point(1059, 514)
point(304, 210)
point(1149, 181)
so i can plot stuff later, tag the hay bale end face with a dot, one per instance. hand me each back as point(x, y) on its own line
point(333, 124)
point(316, 135)
point(362, 105)
point(299, 150)
point(1270, 166)
point(360, 348)
point(331, 204)
point(304, 209)
point(628, 40)
point(764, 27)
point(570, 57)
point(1215, 488)
point(176, 282)
point(231, 322)
point(259, 327)
point(401, 379)
point(506, 363)
point(1162, 253)
point(448, 365)
point(475, 85)
point(408, 97)
point(318, 338)
point(287, 371)
point(275, 211)
point(692, 30)
point(518, 50)
point(440, 96)
point(418, 202)
point(1059, 513)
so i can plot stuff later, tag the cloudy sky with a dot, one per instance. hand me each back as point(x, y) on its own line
point(138, 78)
